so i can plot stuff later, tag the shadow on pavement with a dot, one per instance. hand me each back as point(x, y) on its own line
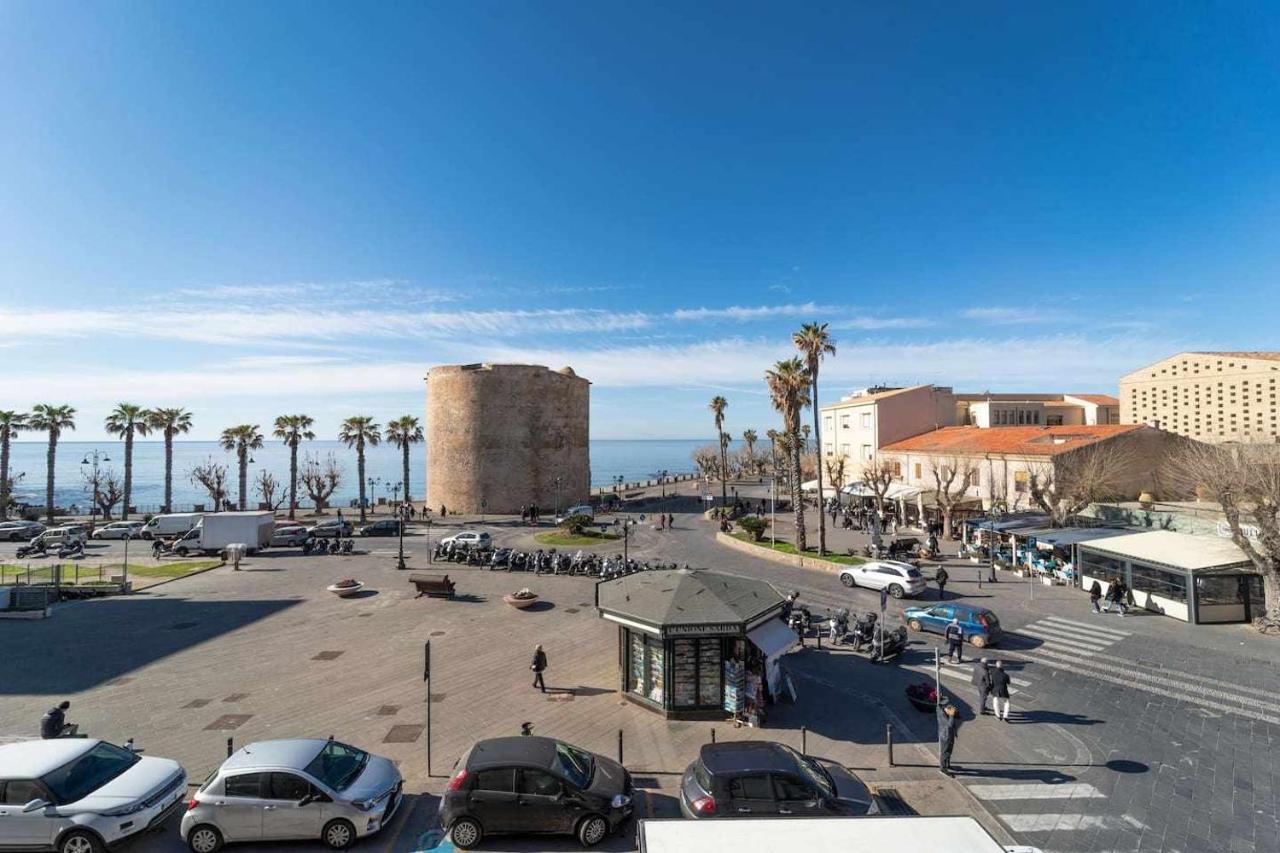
point(1051, 717)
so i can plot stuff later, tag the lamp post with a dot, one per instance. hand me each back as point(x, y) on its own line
point(402, 513)
point(559, 480)
point(374, 482)
point(626, 536)
point(97, 457)
point(992, 516)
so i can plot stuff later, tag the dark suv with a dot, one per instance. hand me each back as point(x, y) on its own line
point(534, 785)
point(764, 779)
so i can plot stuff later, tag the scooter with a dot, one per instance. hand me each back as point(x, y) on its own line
point(71, 549)
point(863, 631)
point(893, 644)
point(799, 620)
point(36, 549)
point(839, 626)
point(348, 545)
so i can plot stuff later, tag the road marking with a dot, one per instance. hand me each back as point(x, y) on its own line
point(1038, 791)
point(1072, 634)
point(1073, 624)
point(1066, 645)
point(1060, 822)
point(955, 673)
point(1063, 636)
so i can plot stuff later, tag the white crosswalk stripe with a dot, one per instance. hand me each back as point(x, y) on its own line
point(1090, 628)
point(1003, 796)
point(1037, 791)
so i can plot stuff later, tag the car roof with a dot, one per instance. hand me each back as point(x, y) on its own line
point(529, 750)
point(295, 753)
point(31, 758)
point(747, 756)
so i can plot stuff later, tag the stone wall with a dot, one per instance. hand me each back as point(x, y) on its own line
point(502, 434)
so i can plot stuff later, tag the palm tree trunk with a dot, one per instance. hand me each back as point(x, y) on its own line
point(168, 471)
point(797, 498)
point(48, 483)
point(817, 442)
point(244, 476)
point(293, 478)
point(128, 472)
point(405, 493)
point(4, 478)
point(360, 475)
point(724, 474)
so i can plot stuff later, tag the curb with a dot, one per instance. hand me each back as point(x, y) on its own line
point(794, 560)
point(178, 578)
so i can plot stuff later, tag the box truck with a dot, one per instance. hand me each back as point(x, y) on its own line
point(170, 525)
point(216, 531)
point(828, 834)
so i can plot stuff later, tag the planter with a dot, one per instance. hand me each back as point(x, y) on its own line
point(520, 603)
point(925, 706)
point(344, 591)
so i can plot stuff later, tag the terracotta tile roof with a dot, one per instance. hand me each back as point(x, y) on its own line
point(1268, 356)
point(1013, 441)
point(1099, 399)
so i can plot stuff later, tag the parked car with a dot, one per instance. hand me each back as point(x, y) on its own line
point(169, 525)
point(82, 795)
point(20, 531)
point(766, 779)
point(899, 578)
point(332, 527)
point(302, 788)
point(57, 536)
point(534, 785)
point(582, 509)
point(119, 530)
point(980, 625)
point(384, 527)
point(289, 537)
point(473, 538)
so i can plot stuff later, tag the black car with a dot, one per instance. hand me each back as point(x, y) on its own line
point(765, 779)
point(385, 527)
point(534, 785)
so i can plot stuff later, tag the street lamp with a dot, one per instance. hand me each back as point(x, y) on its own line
point(403, 514)
point(992, 516)
point(374, 482)
point(559, 480)
point(626, 536)
point(97, 457)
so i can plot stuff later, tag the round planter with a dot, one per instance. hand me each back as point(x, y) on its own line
point(520, 603)
point(345, 591)
point(924, 705)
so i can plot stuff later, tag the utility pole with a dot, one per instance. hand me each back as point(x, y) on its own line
point(404, 512)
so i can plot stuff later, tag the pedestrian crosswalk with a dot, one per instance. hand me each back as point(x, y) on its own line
point(1069, 635)
point(1029, 808)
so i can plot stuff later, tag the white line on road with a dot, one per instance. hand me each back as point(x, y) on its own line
point(1074, 624)
point(1059, 822)
point(1037, 791)
point(1101, 640)
point(1066, 645)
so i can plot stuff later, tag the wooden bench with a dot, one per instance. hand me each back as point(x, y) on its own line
point(432, 586)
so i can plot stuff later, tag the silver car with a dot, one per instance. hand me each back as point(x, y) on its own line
point(289, 537)
point(20, 531)
point(897, 577)
point(303, 788)
point(119, 530)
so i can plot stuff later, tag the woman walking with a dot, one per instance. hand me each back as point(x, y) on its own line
point(1095, 595)
point(941, 577)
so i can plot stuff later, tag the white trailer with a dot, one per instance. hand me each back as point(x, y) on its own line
point(218, 530)
point(828, 834)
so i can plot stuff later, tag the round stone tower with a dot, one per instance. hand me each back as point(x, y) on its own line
point(503, 436)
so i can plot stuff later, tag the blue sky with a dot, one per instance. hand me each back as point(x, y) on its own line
point(253, 208)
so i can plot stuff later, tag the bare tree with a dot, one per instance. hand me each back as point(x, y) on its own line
point(952, 477)
point(1065, 484)
point(1245, 481)
point(321, 477)
point(708, 461)
point(266, 487)
point(835, 472)
point(212, 477)
point(105, 489)
point(877, 475)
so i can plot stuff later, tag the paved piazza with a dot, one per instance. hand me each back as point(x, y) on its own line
point(1127, 734)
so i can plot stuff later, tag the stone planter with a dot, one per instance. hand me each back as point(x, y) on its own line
point(520, 603)
point(344, 591)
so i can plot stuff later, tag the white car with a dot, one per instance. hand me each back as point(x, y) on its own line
point(899, 578)
point(584, 509)
point(119, 530)
point(82, 795)
point(19, 531)
point(472, 538)
point(290, 537)
point(57, 536)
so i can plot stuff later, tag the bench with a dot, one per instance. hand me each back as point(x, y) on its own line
point(432, 586)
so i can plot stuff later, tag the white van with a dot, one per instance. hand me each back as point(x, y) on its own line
point(173, 524)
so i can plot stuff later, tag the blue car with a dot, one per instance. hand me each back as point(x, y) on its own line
point(980, 625)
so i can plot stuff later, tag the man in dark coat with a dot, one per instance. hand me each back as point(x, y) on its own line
point(1095, 595)
point(948, 727)
point(941, 577)
point(1000, 691)
point(981, 679)
point(54, 723)
point(538, 665)
point(954, 635)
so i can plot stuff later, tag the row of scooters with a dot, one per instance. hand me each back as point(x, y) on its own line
point(880, 643)
point(315, 545)
point(71, 549)
point(543, 562)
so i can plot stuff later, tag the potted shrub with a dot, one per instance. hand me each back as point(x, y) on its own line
point(521, 599)
point(924, 696)
point(755, 526)
point(345, 588)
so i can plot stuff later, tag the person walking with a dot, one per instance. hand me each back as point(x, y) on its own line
point(981, 679)
point(1122, 597)
point(948, 728)
point(1000, 691)
point(1095, 595)
point(539, 665)
point(954, 635)
point(941, 577)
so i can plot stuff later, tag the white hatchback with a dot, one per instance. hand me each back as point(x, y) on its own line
point(82, 795)
point(899, 578)
point(473, 538)
point(119, 530)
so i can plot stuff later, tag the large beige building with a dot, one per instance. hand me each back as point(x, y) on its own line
point(1209, 396)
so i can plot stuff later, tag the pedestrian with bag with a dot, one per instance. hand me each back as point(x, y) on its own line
point(954, 635)
point(1095, 595)
point(1122, 597)
point(981, 679)
point(539, 665)
point(941, 577)
point(1000, 691)
point(948, 728)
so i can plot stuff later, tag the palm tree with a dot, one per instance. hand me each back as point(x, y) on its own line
point(749, 436)
point(169, 422)
point(293, 429)
point(52, 419)
point(718, 405)
point(788, 383)
point(11, 423)
point(815, 343)
point(772, 435)
point(125, 421)
point(242, 439)
point(357, 431)
point(404, 432)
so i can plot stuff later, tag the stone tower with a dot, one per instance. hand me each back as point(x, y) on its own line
point(510, 435)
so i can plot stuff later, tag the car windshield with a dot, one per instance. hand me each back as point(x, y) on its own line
point(338, 765)
point(814, 773)
point(913, 573)
point(89, 772)
point(575, 765)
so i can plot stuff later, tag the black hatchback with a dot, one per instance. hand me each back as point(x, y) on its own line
point(534, 785)
point(765, 779)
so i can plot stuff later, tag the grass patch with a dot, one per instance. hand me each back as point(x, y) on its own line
point(105, 571)
point(586, 537)
point(787, 548)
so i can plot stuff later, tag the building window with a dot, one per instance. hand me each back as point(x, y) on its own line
point(1158, 582)
point(1021, 481)
point(866, 420)
point(866, 453)
point(844, 422)
point(897, 469)
point(917, 471)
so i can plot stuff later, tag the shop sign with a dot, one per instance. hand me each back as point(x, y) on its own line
point(706, 630)
point(1250, 531)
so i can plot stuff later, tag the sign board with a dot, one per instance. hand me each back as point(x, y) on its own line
point(711, 629)
point(1250, 531)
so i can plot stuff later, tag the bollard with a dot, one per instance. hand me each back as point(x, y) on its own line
point(619, 746)
point(713, 735)
point(888, 740)
point(804, 740)
point(230, 748)
point(819, 637)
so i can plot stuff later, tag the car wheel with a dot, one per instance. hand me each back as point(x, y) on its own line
point(204, 839)
point(338, 834)
point(181, 552)
point(914, 624)
point(848, 581)
point(592, 830)
point(978, 641)
point(895, 590)
point(79, 841)
point(465, 833)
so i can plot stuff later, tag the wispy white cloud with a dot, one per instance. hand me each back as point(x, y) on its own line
point(1006, 316)
point(872, 323)
point(756, 312)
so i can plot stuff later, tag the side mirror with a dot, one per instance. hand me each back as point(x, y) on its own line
point(35, 806)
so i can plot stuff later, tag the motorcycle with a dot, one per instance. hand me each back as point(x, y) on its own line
point(348, 545)
point(70, 549)
point(798, 620)
point(863, 631)
point(839, 626)
point(37, 549)
point(890, 647)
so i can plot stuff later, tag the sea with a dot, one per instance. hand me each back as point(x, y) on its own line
point(633, 460)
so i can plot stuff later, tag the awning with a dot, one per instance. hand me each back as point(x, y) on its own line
point(812, 486)
point(773, 637)
point(1065, 536)
point(895, 491)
